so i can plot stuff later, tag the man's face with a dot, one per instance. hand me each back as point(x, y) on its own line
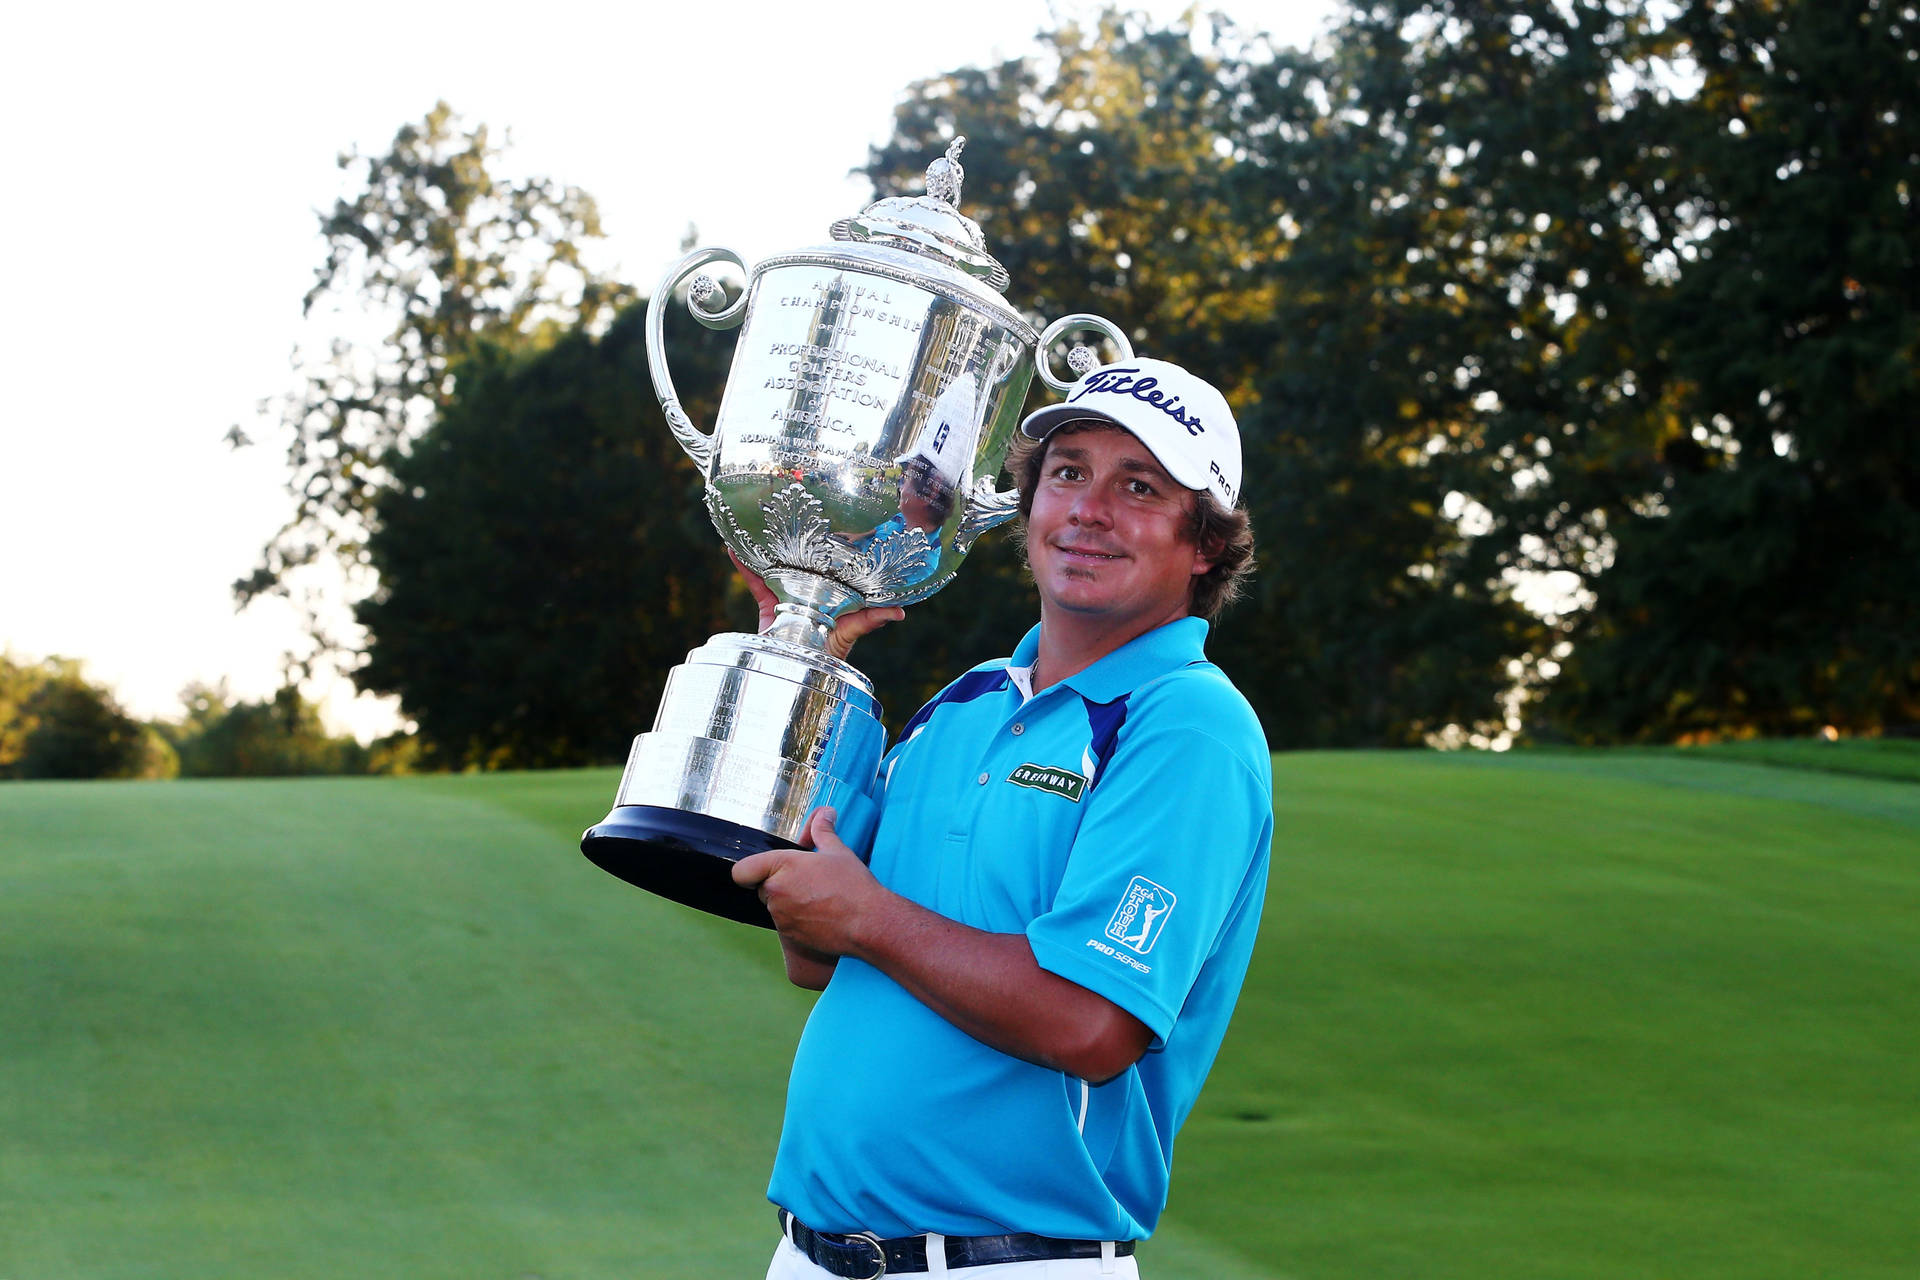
point(922, 500)
point(1110, 535)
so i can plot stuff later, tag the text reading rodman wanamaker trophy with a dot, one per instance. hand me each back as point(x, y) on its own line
point(876, 384)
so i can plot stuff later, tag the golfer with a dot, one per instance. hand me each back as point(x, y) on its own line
point(1026, 983)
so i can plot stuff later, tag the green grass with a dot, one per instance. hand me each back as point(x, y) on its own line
point(369, 1028)
point(1557, 1014)
point(1870, 757)
point(1867, 757)
point(1575, 1015)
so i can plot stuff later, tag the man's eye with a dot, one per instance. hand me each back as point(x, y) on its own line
point(1067, 472)
point(1141, 489)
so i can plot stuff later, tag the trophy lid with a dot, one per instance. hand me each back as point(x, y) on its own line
point(930, 225)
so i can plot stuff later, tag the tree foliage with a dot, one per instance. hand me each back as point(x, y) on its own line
point(218, 736)
point(1491, 288)
point(1599, 305)
point(432, 244)
point(54, 723)
point(1766, 582)
point(1130, 171)
point(545, 557)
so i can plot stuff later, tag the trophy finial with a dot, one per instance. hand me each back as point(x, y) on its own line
point(930, 225)
point(945, 175)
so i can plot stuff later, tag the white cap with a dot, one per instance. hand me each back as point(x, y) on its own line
point(1183, 420)
point(947, 440)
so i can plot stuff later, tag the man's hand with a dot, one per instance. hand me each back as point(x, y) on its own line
point(820, 898)
point(847, 629)
point(827, 904)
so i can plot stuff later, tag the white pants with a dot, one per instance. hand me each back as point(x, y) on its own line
point(791, 1264)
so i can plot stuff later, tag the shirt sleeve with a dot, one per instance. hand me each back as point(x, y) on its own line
point(1172, 850)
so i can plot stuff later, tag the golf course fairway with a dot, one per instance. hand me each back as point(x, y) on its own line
point(1556, 1014)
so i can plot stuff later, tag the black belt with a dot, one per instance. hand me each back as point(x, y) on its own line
point(864, 1256)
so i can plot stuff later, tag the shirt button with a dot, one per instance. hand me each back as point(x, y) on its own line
point(983, 779)
point(1019, 729)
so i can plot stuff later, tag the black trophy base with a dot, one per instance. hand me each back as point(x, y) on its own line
point(687, 857)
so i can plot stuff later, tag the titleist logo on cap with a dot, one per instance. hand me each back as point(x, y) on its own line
point(1128, 382)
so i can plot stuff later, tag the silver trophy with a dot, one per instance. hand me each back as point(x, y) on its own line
point(876, 385)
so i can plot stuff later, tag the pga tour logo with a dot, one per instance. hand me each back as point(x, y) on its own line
point(1141, 915)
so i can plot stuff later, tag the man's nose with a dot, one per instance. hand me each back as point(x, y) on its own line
point(1092, 505)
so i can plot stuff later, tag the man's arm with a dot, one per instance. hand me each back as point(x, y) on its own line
point(825, 901)
point(805, 966)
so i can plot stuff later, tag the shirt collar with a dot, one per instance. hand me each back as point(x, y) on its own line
point(1143, 658)
point(1022, 679)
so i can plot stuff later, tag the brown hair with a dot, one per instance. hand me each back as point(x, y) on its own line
point(1224, 534)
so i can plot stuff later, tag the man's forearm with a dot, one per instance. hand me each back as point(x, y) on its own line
point(990, 986)
point(826, 901)
point(805, 966)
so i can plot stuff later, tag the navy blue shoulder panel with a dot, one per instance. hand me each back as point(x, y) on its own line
point(1105, 719)
point(974, 684)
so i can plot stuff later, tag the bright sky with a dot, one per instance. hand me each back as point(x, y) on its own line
point(166, 163)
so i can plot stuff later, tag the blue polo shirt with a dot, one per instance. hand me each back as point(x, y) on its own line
point(1120, 820)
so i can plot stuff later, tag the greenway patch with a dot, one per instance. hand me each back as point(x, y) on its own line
point(1045, 777)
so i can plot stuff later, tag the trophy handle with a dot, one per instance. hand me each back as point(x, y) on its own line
point(697, 443)
point(1075, 323)
point(986, 509)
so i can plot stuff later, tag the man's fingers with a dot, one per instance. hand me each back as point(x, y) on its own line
point(861, 622)
point(763, 597)
point(754, 868)
point(820, 830)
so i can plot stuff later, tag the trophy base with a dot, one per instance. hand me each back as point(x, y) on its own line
point(754, 734)
point(687, 857)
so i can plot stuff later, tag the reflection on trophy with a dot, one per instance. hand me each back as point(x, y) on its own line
point(875, 387)
point(933, 470)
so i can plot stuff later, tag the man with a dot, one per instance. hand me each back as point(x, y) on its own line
point(1024, 993)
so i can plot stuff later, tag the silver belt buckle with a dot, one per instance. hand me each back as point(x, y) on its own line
point(879, 1254)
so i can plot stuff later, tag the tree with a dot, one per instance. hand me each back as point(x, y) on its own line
point(1635, 247)
point(1065, 178)
point(1164, 182)
point(1587, 294)
point(17, 683)
point(450, 255)
point(545, 557)
point(1473, 248)
point(54, 723)
point(281, 736)
point(1766, 582)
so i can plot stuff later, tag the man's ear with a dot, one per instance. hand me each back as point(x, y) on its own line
point(1207, 551)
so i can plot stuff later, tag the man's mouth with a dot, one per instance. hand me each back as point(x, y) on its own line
point(1088, 554)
